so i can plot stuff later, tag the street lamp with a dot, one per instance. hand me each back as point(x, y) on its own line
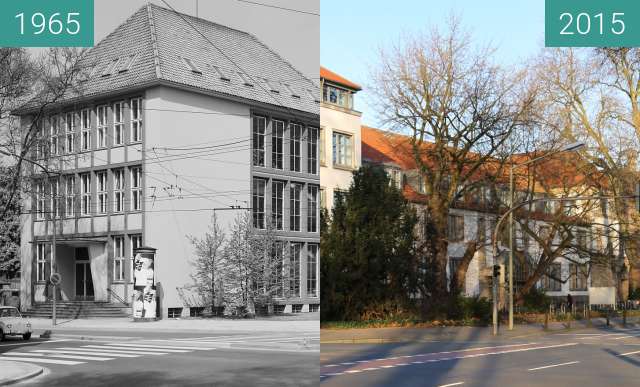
point(567, 148)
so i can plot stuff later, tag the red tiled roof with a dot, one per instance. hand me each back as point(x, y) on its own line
point(333, 77)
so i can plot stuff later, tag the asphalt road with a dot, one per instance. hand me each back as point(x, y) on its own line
point(590, 357)
point(118, 358)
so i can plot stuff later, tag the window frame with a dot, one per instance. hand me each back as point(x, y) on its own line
point(41, 262)
point(118, 190)
point(102, 124)
point(118, 258)
point(70, 196)
point(295, 146)
point(313, 254)
point(295, 198)
point(136, 123)
point(85, 129)
point(313, 166)
point(102, 192)
point(85, 189)
point(313, 209)
point(342, 151)
point(118, 126)
point(277, 204)
point(295, 255)
point(70, 135)
point(258, 142)
point(258, 200)
point(135, 174)
point(277, 143)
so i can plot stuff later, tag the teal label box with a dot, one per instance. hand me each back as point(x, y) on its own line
point(592, 23)
point(46, 23)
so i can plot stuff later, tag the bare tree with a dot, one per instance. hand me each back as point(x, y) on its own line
point(459, 110)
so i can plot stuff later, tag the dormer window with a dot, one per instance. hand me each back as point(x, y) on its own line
point(110, 67)
point(291, 91)
point(125, 63)
point(191, 66)
point(223, 75)
point(337, 96)
point(245, 80)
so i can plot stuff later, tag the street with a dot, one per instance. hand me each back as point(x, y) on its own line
point(109, 358)
point(586, 357)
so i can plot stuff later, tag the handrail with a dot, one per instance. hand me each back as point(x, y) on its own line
point(117, 297)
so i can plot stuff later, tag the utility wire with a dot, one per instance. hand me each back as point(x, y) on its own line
point(278, 7)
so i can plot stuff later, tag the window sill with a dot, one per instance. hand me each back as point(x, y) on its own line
point(343, 167)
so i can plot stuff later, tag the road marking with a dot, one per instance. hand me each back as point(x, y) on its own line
point(74, 357)
point(451, 384)
point(98, 348)
point(117, 347)
point(626, 337)
point(629, 353)
point(553, 365)
point(39, 360)
point(80, 351)
point(33, 342)
point(193, 348)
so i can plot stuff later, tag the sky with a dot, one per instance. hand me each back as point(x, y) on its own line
point(292, 35)
point(351, 32)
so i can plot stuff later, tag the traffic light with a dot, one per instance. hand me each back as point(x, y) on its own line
point(496, 271)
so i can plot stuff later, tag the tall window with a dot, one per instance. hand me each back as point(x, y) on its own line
point(118, 190)
point(135, 241)
point(312, 208)
point(277, 200)
point(41, 262)
point(54, 206)
point(579, 275)
point(455, 229)
point(102, 126)
point(85, 125)
point(277, 144)
point(118, 125)
point(54, 131)
point(259, 187)
point(102, 192)
point(277, 279)
point(85, 181)
point(136, 189)
point(312, 150)
point(552, 279)
point(294, 206)
point(295, 135)
point(70, 132)
point(321, 146)
point(40, 200)
point(70, 195)
point(136, 120)
point(312, 270)
point(342, 150)
point(118, 258)
point(259, 129)
point(294, 269)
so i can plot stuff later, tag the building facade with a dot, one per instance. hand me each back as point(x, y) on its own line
point(339, 135)
point(171, 126)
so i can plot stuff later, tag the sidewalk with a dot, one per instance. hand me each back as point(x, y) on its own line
point(409, 334)
point(180, 325)
point(13, 372)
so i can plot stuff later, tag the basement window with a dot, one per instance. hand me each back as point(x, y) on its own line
point(314, 308)
point(174, 312)
point(278, 309)
point(296, 308)
point(191, 66)
point(196, 311)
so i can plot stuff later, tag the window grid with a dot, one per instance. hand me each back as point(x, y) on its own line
point(118, 190)
point(70, 196)
point(118, 124)
point(312, 151)
point(259, 129)
point(40, 200)
point(102, 126)
point(342, 152)
point(54, 131)
point(295, 135)
point(294, 206)
point(294, 270)
point(136, 189)
point(277, 203)
point(312, 208)
point(135, 242)
point(54, 206)
point(258, 199)
point(85, 124)
point(70, 133)
point(277, 144)
point(102, 192)
point(136, 120)
point(118, 258)
point(312, 270)
point(41, 262)
point(86, 194)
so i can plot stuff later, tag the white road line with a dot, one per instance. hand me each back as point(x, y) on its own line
point(451, 384)
point(33, 342)
point(75, 357)
point(39, 360)
point(626, 337)
point(193, 348)
point(80, 351)
point(629, 353)
point(99, 348)
point(117, 347)
point(553, 365)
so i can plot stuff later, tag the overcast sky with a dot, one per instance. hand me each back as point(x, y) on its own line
point(295, 36)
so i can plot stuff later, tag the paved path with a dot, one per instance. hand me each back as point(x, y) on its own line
point(12, 372)
point(585, 357)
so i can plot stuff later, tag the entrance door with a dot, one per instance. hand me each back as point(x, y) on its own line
point(84, 281)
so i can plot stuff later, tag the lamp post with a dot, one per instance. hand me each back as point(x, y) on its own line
point(567, 148)
point(508, 214)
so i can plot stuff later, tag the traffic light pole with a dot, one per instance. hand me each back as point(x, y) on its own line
point(495, 300)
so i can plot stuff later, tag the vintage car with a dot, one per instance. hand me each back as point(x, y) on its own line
point(13, 324)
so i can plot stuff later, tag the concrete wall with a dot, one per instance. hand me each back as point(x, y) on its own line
point(217, 178)
point(339, 120)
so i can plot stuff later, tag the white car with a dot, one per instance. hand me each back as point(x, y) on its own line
point(12, 323)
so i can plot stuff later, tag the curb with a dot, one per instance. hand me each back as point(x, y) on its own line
point(22, 378)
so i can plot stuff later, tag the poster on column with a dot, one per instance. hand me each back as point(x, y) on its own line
point(144, 303)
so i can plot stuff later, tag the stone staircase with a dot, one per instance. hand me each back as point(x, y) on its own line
point(79, 309)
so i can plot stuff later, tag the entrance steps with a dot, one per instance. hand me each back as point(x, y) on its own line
point(79, 309)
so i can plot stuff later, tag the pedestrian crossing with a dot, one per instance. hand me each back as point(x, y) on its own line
point(102, 351)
